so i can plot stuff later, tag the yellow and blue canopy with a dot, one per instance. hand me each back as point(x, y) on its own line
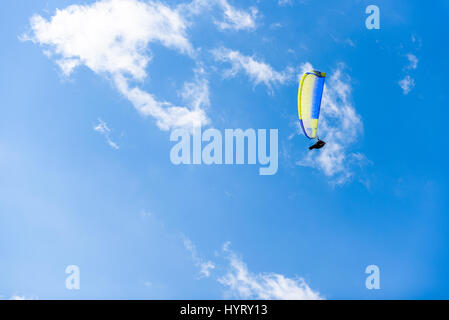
point(309, 101)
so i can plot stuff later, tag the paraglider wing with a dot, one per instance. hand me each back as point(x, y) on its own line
point(309, 101)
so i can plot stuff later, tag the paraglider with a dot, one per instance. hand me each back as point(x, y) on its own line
point(309, 103)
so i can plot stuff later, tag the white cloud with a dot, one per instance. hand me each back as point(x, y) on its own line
point(103, 129)
point(283, 3)
point(257, 71)
point(340, 126)
point(145, 214)
point(407, 84)
point(276, 25)
point(236, 19)
point(345, 41)
point(231, 18)
point(19, 297)
point(244, 284)
point(413, 61)
point(240, 283)
point(416, 40)
point(167, 115)
point(111, 37)
point(196, 93)
point(205, 266)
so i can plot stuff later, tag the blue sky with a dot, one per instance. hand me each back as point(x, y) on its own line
point(86, 177)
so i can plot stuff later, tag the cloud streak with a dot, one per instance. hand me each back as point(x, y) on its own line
point(103, 129)
point(413, 61)
point(231, 18)
point(408, 83)
point(236, 19)
point(241, 283)
point(257, 70)
point(111, 38)
point(205, 266)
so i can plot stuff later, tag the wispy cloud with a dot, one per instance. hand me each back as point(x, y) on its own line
point(196, 93)
point(103, 129)
point(344, 41)
point(241, 283)
point(416, 40)
point(237, 19)
point(111, 37)
point(205, 266)
point(340, 126)
point(257, 71)
point(230, 17)
point(22, 297)
point(413, 61)
point(283, 3)
point(407, 84)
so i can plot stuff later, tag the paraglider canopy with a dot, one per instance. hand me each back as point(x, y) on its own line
point(309, 103)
